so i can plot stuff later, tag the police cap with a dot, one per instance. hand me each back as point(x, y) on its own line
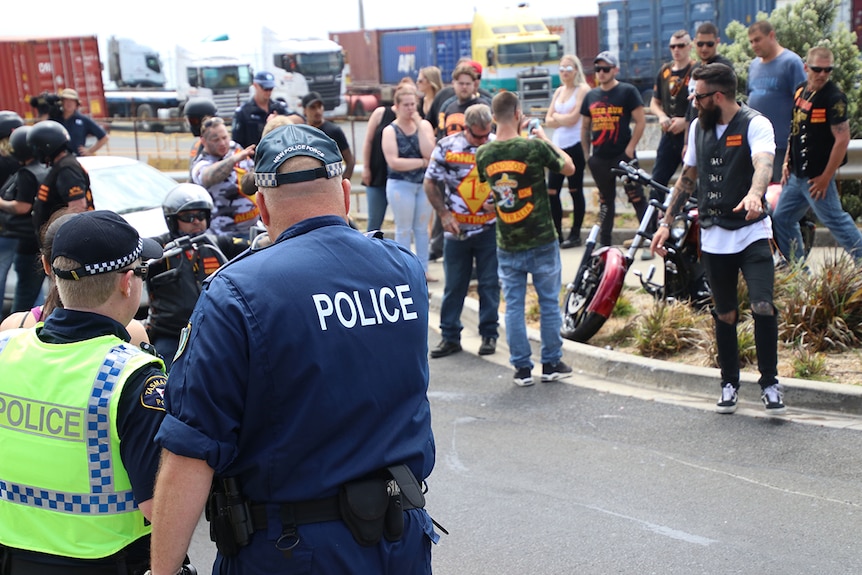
point(293, 140)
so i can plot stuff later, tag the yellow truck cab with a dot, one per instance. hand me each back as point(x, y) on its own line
point(518, 54)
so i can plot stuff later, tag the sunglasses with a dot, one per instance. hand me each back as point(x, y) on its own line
point(212, 122)
point(700, 97)
point(479, 137)
point(604, 69)
point(189, 217)
point(567, 68)
point(678, 46)
point(709, 43)
point(140, 271)
point(818, 69)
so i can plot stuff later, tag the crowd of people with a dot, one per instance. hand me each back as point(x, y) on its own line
point(274, 325)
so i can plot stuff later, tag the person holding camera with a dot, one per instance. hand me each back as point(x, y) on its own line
point(80, 126)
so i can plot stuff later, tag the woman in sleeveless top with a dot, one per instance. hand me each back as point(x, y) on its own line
point(407, 145)
point(565, 117)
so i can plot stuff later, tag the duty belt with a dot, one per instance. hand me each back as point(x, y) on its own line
point(305, 512)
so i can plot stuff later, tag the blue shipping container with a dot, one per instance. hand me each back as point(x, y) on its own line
point(451, 45)
point(405, 53)
point(639, 31)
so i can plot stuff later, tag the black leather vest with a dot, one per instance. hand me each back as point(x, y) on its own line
point(724, 172)
point(811, 138)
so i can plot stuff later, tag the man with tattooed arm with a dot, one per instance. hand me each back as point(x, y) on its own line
point(729, 161)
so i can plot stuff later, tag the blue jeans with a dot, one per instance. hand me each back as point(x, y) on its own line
point(7, 255)
point(458, 258)
point(543, 263)
point(412, 212)
point(794, 202)
point(376, 198)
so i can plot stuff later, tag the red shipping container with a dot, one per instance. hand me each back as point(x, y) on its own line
point(362, 52)
point(587, 38)
point(31, 66)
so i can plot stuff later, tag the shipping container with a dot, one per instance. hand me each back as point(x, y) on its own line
point(361, 53)
point(451, 43)
point(856, 21)
point(638, 31)
point(403, 54)
point(33, 66)
point(564, 28)
point(587, 35)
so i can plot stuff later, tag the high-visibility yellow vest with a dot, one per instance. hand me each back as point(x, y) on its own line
point(63, 487)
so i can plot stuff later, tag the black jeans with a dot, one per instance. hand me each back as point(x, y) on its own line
point(755, 263)
point(576, 190)
point(606, 182)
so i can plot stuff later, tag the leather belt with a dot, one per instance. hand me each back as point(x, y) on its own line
point(304, 512)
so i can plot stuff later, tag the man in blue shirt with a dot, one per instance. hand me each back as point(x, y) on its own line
point(301, 386)
point(80, 126)
point(772, 79)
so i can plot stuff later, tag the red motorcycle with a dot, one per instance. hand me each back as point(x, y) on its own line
point(590, 298)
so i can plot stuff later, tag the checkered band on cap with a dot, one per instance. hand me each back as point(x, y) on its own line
point(101, 267)
point(105, 267)
point(269, 180)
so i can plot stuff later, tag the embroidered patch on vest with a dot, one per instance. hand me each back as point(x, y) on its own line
point(734, 140)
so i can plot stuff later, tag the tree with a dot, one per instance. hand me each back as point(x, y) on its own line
point(799, 27)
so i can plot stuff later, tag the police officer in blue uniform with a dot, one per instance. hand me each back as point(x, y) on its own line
point(44, 366)
point(250, 118)
point(302, 388)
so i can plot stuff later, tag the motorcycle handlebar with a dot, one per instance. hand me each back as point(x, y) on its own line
point(185, 243)
point(631, 172)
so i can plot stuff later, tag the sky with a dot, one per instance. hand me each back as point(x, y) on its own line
point(164, 23)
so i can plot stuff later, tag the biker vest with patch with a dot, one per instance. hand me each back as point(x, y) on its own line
point(49, 199)
point(15, 225)
point(64, 488)
point(811, 138)
point(724, 172)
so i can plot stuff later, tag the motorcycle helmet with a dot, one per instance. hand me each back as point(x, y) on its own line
point(186, 197)
point(47, 139)
point(8, 122)
point(195, 110)
point(18, 142)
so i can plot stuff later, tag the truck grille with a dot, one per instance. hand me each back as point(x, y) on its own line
point(330, 92)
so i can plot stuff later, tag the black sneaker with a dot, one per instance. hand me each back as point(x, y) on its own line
point(523, 377)
point(489, 345)
point(571, 242)
point(555, 371)
point(445, 348)
point(728, 400)
point(773, 399)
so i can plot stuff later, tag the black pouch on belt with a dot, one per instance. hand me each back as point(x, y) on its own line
point(363, 506)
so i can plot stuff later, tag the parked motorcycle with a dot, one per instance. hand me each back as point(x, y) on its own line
point(590, 298)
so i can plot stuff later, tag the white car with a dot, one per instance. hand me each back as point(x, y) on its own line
point(133, 189)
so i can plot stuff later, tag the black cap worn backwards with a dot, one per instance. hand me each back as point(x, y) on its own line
point(293, 140)
point(101, 242)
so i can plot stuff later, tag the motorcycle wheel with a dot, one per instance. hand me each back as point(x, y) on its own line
point(580, 324)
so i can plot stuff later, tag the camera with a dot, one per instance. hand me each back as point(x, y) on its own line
point(48, 104)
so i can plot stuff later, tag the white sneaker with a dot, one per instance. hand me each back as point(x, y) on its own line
point(773, 399)
point(728, 400)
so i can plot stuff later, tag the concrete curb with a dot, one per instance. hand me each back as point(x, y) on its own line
point(680, 378)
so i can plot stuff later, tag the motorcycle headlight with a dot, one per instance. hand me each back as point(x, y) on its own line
point(678, 229)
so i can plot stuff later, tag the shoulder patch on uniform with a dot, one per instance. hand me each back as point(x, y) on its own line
point(153, 396)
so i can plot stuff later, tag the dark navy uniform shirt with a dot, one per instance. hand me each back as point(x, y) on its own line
point(306, 365)
point(249, 120)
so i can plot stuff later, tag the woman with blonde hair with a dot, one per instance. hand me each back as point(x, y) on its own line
point(564, 115)
point(429, 82)
point(407, 145)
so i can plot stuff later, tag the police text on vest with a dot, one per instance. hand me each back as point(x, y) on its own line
point(372, 307)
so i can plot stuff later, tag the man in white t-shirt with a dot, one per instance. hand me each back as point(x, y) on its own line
point(729, 160)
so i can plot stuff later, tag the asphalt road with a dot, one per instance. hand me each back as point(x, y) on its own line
point(581, 477)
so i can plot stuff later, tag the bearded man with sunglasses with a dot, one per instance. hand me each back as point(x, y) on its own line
point(174, 283)
point(729, 159)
